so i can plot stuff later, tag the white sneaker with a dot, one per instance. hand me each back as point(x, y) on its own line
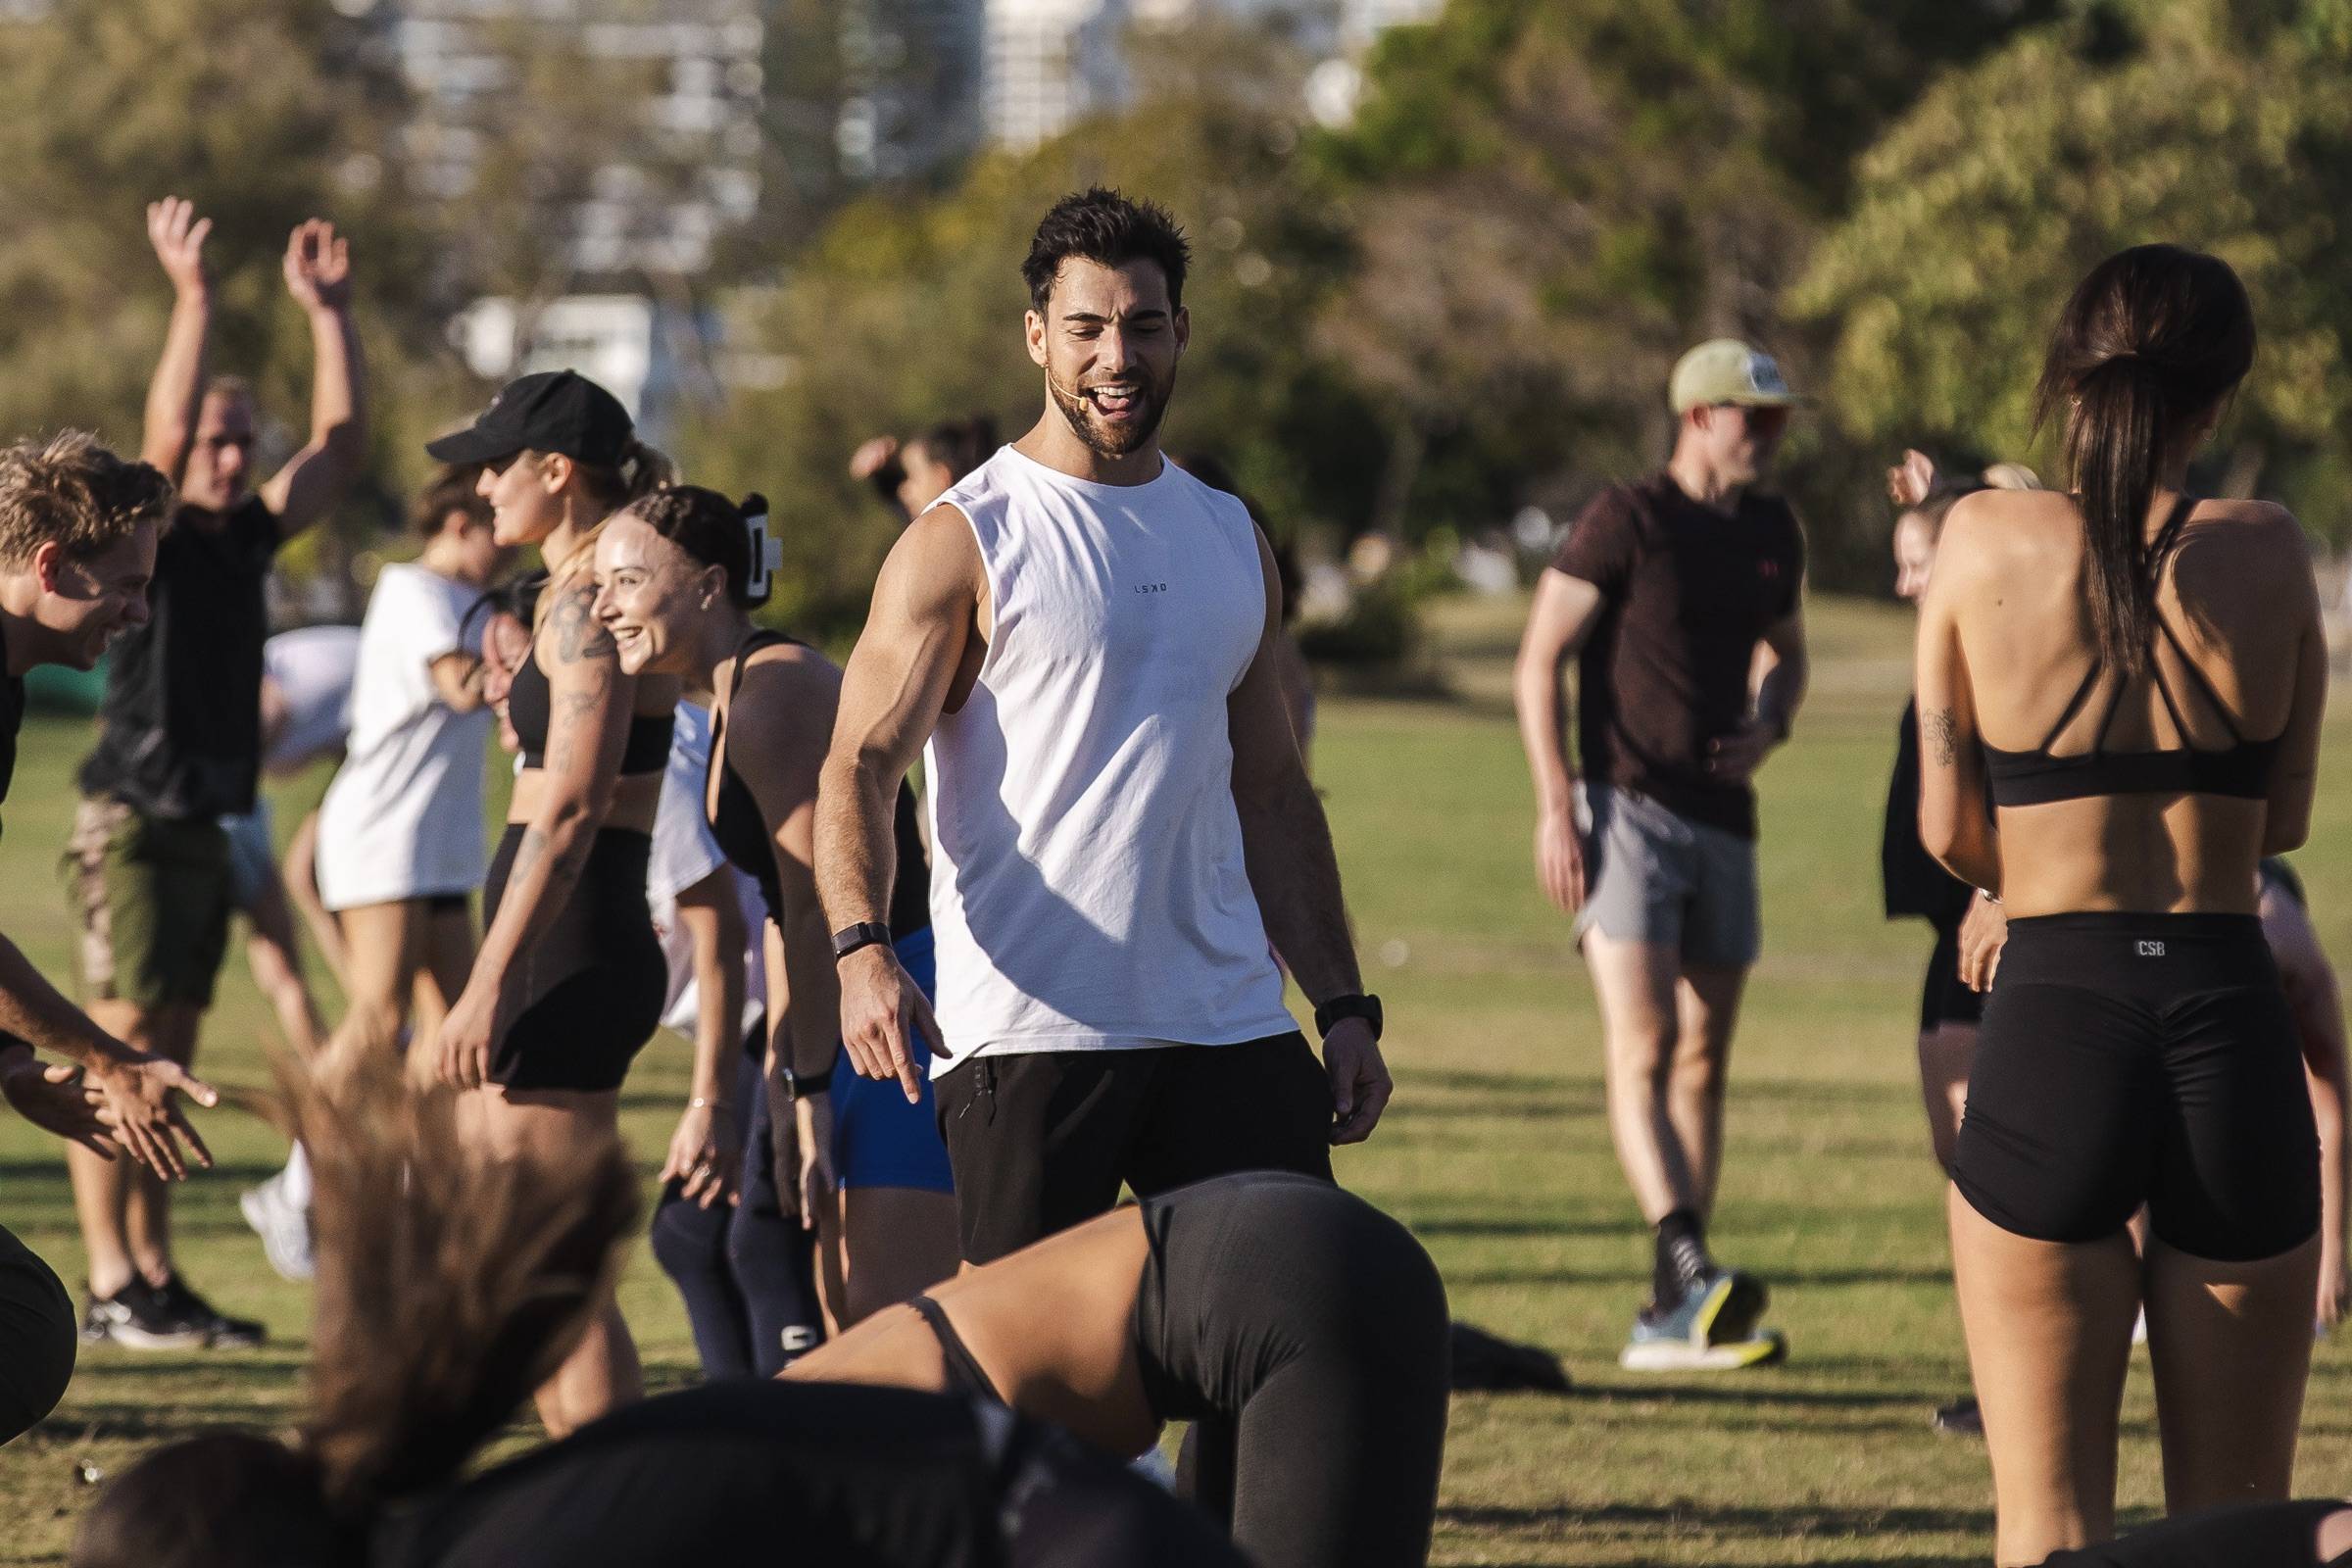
point(1761, 1348)
point(283, 1226)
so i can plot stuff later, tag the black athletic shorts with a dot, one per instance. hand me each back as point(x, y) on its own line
point(1943, 996)
point(595, 976)
point(1040, 1141)
point(2131, 1058)
point(2261, 1534)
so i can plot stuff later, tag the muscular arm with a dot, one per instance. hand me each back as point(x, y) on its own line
point(778, 725)
point(1566, 609)
point(587, 726)
point(917, 638)
point(1954, 821)
point(1285, 842)
point(314, 478)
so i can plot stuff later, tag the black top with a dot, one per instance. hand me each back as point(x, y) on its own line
point(1685, 594)
point(529, 705)
point(741, 829)
point(12, 718)
point(804, 1473)
point(1915, 881)
point(2241, 769)
point(181, 732)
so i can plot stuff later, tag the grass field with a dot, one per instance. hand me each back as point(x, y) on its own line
point(1496, 1151)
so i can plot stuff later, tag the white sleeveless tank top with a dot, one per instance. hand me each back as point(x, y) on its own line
point(1086, 885)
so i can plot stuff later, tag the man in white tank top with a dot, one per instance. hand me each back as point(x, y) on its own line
point(1075, 637)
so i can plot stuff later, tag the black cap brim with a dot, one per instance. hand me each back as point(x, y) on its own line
point(473, 444)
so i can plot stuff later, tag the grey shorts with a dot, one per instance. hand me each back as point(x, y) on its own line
point(1651, 876)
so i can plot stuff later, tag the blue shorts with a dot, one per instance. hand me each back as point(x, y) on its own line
point(878, 1138)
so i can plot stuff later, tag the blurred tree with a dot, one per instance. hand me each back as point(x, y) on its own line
point(264, 113)
point(2217, 125)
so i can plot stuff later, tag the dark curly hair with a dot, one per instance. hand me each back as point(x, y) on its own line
point(1098, 224)
point(732, 536)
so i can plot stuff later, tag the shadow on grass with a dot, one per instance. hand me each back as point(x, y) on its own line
point(1735, 1521)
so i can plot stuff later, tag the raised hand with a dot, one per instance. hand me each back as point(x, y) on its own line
point(319, 267)
point(178, 235)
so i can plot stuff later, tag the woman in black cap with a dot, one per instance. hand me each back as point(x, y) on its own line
point(568, 983)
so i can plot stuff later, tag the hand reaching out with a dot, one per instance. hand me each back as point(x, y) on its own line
point(178, 235)
point(319, 267)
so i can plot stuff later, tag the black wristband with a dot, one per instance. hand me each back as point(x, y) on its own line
point(1365, 1006)
point(864, 933)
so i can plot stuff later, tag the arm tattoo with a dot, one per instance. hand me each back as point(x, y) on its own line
point(1943, 733)
point(579, 635)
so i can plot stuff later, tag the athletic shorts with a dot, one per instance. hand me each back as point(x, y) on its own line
point(252, 854)
point(152, 896)
point(595, 975)
point(879, 1140)
point(1654, 876)
point(1042, 1140)
point(1943, 996)
point(2131, 1058)
point(38, 1336)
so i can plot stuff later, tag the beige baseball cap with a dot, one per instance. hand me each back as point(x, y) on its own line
point(1724, 369)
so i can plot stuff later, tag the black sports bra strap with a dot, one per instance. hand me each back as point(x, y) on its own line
point(2213, 698)
point(2074, 706)
point(2168, 536)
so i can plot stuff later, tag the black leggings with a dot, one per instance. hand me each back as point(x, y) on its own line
point(2129, 1058)
point(2265, 1534)
point(595, 975)
point(748, 1273)
point(1306, 1332)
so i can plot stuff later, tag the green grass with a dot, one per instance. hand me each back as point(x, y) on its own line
point(1496, 1151)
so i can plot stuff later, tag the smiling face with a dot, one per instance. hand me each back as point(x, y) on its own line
point(525, 496)
point(89, 600)
point(653, 596)
point(1109, 340)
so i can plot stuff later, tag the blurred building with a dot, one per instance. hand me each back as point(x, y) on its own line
point(912, 74)
point(685, 172)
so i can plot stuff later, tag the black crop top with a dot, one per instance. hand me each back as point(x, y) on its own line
point(529, 705)
point(742, 832)
point(2240, 771)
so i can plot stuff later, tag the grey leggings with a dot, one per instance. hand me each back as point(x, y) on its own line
point(36, 1338)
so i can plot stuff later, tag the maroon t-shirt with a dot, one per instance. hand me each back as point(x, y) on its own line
point(1685, 594)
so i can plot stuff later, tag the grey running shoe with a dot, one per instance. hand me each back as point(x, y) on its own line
point(283, 1226)
point(139, 1317)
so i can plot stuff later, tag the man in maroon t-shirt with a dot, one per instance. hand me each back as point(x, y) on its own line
point(1664, 590)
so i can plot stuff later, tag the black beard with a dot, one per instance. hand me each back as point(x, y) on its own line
point(1076, 408)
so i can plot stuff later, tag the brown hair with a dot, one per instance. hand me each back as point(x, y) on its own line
point(732, 536)
point(452, 488)
point(2151, 341)
point(641, 470)
point(449, 1285)
point(74, 492)
point(959, 445)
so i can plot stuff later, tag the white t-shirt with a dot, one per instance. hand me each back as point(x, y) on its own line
point(312, 670)
point(403, 819)
point(684, 854)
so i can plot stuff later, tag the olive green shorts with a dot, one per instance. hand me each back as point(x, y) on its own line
point(153, 897)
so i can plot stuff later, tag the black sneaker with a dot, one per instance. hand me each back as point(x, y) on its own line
point(1961, 1418)
point(137, 1316)
point(216, 1328)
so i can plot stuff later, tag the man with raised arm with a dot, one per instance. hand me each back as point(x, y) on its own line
point(77, 534)
point(1079, 630)
point(179, 741)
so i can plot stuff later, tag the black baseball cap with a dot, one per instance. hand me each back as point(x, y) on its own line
point(553, 411)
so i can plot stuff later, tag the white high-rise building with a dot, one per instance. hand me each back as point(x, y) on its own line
point(1051, 63)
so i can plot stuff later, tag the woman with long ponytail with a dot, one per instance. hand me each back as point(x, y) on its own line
point(2120, 691)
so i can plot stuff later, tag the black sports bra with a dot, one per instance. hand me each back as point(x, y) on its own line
point(742, 833)
point(529, 704)
point(2240, 771)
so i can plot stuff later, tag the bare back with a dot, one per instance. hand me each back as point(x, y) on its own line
point(2008, 659)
